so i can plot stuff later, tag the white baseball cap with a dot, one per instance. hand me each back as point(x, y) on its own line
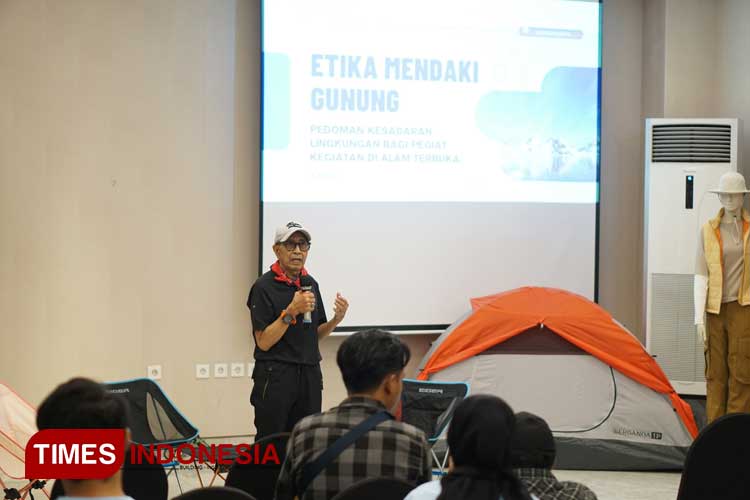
point(284, 232)
point(731, 183)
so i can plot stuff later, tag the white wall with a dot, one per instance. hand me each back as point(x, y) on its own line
point(621, 188)
point(128, 188)
point(733, 68)
point(690, 59)
point(654, 34)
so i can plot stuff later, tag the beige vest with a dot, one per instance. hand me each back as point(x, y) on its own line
point(713, 250)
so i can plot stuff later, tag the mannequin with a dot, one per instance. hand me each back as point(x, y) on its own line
point(722, 300)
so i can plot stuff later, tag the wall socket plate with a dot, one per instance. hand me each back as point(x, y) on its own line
point(221, 370)
point(202, 370)
point(237, 369)
point(250, 369)
point(153, 372)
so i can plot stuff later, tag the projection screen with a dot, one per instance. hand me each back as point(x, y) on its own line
point(437, 151)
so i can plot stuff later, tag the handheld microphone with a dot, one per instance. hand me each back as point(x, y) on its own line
point(306, 286)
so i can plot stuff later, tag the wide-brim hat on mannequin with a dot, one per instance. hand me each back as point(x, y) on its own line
point(731, 183)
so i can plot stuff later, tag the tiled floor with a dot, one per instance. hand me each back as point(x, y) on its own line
point(610, 485)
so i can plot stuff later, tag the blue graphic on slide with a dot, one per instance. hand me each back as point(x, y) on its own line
point(276, 106)
point(549, 135)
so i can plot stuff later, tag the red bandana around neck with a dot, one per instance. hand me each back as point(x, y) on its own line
point(281, 275)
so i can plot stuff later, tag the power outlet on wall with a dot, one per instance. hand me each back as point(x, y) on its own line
point(250, 369)
point(202, 370)
point(238, 369)
point(154, 372)
point(221, 370)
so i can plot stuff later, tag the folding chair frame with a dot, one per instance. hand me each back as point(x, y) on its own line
point(194, 439)
point(432, 440)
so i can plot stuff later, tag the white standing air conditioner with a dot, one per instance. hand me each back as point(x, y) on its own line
point(684, 159)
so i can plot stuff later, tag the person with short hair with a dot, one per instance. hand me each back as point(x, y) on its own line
point(81, 403)
point(288, 321)
point(372, 365)
point(533, 454)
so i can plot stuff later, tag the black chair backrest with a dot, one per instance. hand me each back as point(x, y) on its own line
point(430, 405)
point(376, 488)
point(718, 462)
point(256, 478)
point(215, 493)
point(142, 482)
point(153, 417)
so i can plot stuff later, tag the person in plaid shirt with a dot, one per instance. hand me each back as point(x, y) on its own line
point(372, 364)
point(532, 455)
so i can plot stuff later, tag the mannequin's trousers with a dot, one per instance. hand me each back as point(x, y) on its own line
point(727, 353)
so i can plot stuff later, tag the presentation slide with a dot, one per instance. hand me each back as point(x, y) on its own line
point(398, 129)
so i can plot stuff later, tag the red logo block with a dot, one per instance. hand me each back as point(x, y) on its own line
point(75, 453)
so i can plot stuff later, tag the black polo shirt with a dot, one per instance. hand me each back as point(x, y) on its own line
point(299, 344)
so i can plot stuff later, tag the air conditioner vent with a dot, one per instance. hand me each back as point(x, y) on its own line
point(690, 143)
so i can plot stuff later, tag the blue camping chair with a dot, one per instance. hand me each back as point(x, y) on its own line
point(154, 419)
point(429, 406)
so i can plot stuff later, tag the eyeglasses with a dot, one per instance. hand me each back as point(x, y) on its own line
point(290, 245)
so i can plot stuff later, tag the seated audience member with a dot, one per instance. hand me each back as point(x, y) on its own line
point(479, 465)
point(533, 454)
point(84, 404)
point(372, 365)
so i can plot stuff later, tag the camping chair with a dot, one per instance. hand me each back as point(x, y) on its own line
point(141, 482)
point(215, 493)
point(154, 419)
point(17, 425)
point(376, 488)
point(716, 465)
point(430, 406)
point(259, 480)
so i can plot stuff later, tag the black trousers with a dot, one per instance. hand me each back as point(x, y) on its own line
point(283, 394)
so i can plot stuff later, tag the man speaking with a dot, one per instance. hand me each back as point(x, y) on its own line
point(288, 321)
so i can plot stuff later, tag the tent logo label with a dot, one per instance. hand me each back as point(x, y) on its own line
point(636, 433)
point(430, 390)
point(118, 391)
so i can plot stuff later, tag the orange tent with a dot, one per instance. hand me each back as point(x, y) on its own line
point(497, 318)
